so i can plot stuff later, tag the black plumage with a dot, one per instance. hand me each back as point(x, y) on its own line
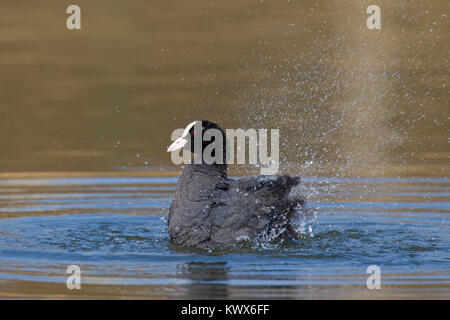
point(210, 210)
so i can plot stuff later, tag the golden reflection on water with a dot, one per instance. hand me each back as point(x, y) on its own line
point(423, 288)
point(347, 100)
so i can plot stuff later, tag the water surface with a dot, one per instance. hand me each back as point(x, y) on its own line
point(86, 118)
point(115, 230)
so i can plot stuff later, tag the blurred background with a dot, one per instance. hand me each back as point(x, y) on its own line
point(347, 100)
point(86, 117)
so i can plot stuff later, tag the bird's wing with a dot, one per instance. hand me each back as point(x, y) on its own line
point(269, 187)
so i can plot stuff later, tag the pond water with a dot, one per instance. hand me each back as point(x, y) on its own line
point(115, 230)
point(86, 117)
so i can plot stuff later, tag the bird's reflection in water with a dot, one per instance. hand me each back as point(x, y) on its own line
point(207, 280)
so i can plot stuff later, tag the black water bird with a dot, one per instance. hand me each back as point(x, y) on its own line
point(209, 210)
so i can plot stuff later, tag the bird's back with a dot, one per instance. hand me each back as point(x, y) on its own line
point(210, 210)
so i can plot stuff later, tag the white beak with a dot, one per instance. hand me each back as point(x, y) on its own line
point(177, 144)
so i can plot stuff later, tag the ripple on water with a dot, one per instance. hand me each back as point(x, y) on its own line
point(117, 243)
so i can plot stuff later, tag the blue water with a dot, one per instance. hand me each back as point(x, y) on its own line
point(115, 230)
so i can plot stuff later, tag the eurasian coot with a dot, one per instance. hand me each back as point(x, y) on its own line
point(210, 210)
